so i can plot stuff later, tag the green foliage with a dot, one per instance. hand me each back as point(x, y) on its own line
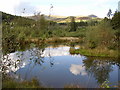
point(92, 44)
point(24, 28)
point(116, 21)
point(82, 23)
point(92, 22)
point(24, 84)
point(81, 32)
point(94, 34)
point(100, 35)
point(95, 52)
point(42, 22)
point(105, 84)
point(73, 26)
point(73, 87)
point(100, 40)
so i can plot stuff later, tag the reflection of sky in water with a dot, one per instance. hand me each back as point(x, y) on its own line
point(59, 68)
point(27, 55)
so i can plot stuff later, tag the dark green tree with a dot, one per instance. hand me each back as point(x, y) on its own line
point(116, 20)
point(106, 19)
point(73, 26)
point(82, 23)
point(116, 26)
point(43, 23)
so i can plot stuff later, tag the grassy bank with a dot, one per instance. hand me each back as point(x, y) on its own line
point(24, 84)
point(10, 83)
point(102, 39)
point(34, 84)
point(95, 52)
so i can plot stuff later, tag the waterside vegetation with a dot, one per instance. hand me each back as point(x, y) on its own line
point(100, 38)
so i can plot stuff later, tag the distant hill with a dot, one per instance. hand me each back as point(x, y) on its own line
point(8, 17)
point(18, 21)
point(62, 19)
point(58, 19)
point(92, 16)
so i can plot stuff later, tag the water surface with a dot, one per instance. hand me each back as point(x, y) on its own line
point(56, 67)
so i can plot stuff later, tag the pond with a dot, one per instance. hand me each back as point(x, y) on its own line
point(55, 67)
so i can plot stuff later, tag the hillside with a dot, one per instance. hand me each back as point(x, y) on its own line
point(58, 19)
point(63, 19)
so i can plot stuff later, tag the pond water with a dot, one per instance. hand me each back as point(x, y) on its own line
point(56, 67)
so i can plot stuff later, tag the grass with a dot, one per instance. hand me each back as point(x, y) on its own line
point(100, 41)
point(95, 52)
point(72, 86)
point(24, 84)
point(10, 83)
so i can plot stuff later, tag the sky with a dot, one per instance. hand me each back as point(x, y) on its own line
point(60, 7)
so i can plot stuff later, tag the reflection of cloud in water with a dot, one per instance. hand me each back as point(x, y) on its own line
point(60, 51)
point(17, 60)
point(26, 56)
point(77, 69)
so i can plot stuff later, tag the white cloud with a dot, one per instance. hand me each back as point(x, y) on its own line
point(119, 6)
point(25, 8)
point(78, 69)
point(8, 5)
point(61, 7)
point(99, 8)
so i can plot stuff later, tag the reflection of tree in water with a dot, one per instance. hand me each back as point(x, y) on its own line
point(99, 68)
point(36, 54)
point(39, 55)
point(8, 64)
point(51, 60)
point(37, 58)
